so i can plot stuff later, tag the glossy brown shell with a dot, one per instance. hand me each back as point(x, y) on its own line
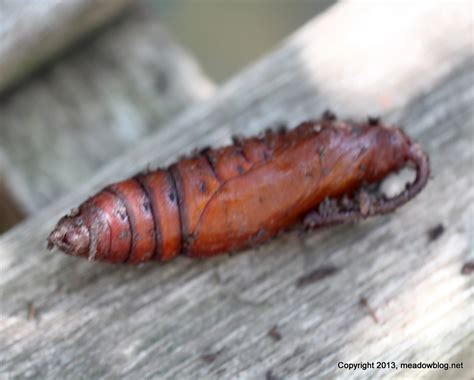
point(227, 199)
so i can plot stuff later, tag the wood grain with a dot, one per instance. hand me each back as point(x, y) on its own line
point(211, 318)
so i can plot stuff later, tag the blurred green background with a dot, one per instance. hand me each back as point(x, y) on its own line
point(225, 36)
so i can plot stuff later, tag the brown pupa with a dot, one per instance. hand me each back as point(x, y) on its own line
point(223, 200)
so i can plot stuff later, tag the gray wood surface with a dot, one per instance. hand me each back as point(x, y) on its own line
point(215, 318)
point(60, 127)
point(31, 32)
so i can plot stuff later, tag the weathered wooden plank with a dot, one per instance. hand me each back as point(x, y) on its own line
point(89, 107)
point(211, 318)
point(31, 32)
